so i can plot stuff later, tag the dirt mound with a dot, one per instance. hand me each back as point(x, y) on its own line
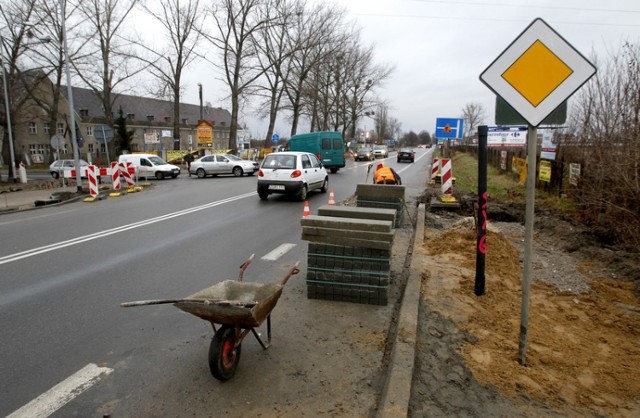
point(584, 321)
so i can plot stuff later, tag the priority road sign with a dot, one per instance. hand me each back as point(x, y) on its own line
point(537, 72)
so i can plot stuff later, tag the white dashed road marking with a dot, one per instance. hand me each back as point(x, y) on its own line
point(62, 393)
point(278, 252)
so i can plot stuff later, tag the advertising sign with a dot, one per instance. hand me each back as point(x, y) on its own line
point(574, 174)
point(204, 136)
point(507, 136)
point(549, 146)
point(544, 171)
point(151, 138)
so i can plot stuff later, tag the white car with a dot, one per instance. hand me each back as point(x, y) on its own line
point(212, 165)
point(293, 173)
point(56, 169)
point(380, 151)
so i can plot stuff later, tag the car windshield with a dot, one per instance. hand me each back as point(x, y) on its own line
point(232, 157)
point(157, 160)
point(380, 147)
point(276, 161)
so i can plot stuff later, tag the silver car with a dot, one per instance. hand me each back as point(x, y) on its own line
point(58, 166)
point(212, 165)
point(380, 151)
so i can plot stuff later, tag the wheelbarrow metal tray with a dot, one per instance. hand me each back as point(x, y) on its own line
point(260, 300)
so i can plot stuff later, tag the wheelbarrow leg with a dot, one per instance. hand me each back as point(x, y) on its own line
point(255, 334)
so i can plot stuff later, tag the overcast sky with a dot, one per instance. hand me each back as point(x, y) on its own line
point(439, 49)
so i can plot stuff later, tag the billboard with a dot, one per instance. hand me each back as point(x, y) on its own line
point(507, 136)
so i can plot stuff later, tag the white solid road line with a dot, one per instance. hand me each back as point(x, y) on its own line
point(62, 393)
point(278, 252)
point(74, 241)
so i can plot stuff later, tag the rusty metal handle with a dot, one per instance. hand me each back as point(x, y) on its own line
point(291, 272)
point(244, 266)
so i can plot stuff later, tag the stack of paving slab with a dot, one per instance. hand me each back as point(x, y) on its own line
point(349, 257)
point(385, 196)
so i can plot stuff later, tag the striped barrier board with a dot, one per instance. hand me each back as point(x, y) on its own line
point(115, 176)
point(126, 171)
point(435, 169)
point(92, 175)
point(446, 172)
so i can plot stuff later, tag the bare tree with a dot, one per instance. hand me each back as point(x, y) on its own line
point(236, 25)
point(47, 58)
point(473, 115)
point(313, 32)
point(275, 47)
point(395, 128)
point(107, 63)
point(182, 22)
point(14, 17)
point(605, 139)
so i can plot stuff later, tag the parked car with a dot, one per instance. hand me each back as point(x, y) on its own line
point(406, 154)
point(292, 173)
point(57, 167)
point(150, 165)
point(365, 154)
point(212, 165)
point(380, 151)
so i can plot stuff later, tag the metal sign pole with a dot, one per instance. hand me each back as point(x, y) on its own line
point(532, 142)
point(481, 245)
point(106, 148)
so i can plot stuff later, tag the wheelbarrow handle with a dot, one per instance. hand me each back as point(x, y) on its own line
point(291, 272)
point(223, 302)
point(244, 266)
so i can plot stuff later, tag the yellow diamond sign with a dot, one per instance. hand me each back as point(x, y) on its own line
point(537, 72)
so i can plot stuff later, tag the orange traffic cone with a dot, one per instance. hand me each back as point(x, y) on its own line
point(306, 211)
point(332, 199)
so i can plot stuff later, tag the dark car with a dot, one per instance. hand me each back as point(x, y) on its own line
point(406, 154)
point(365, 154)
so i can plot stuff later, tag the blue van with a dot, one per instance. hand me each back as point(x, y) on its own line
point(327, 146)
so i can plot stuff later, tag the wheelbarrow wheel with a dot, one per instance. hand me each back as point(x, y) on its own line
point(223, 359)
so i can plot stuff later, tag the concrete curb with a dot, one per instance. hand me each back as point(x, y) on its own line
point(397, 390)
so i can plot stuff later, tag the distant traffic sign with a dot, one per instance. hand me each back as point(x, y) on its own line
point(57, 141)
point(275, 137)
point(103, 133)
point(449, 128)
point(537, 72)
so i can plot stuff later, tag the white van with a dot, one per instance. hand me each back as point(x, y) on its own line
point(150, 165)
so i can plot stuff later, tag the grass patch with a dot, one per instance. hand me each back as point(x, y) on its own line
point(501, 185)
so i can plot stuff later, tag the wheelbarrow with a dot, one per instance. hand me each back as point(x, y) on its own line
point(238, 307)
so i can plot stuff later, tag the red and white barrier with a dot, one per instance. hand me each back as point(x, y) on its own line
point(125, 171)
point(115, 176)
point(446, 176)
point(435, 169)
point(92, 175)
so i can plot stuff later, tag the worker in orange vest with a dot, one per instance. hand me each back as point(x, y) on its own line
point(386, 175)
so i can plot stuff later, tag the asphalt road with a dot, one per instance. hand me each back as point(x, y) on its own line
point(66, 269)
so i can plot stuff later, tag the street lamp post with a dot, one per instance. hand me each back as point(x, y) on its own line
point(372, 115)
point(72, 115)
point(7, 109)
